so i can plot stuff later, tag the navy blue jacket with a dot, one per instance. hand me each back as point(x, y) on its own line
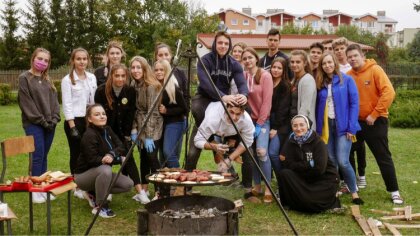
point(346, 105)
point(222, 70)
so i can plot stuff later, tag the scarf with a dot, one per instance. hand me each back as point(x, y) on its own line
point(117, 90)
point(302, 139)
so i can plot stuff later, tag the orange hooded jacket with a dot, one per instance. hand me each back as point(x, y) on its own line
point(375, 90)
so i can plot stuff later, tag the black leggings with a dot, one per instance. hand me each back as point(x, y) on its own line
point(74, 143)
point(149, 162)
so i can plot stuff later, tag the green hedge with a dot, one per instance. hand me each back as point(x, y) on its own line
point(405, 111)
point(6, 97)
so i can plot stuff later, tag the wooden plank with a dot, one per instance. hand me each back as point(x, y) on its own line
point(355, 210)
point(401, 217)
point(407, 212)
point(63, 188)
point(387, 213)
point(408, 226)
point(393, 230)
point(373, 227)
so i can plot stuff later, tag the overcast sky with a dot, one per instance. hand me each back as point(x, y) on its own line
point(399, 10)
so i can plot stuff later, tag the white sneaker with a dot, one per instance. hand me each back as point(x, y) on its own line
point(38, 198)
point(156, 197)
point(78, 193)
point(109, 198)
point(141, 197)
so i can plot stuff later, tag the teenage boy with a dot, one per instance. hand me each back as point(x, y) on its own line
point(218, 134)
point(315, 52)
point(375, 95)
point(273, 42)
point(339, 46)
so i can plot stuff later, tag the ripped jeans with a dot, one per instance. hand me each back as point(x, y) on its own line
point(261, 154)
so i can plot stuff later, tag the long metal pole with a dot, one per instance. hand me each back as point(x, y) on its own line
point(267, 184)
point(130, 151)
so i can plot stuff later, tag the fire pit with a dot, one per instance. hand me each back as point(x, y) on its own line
point(188, 215)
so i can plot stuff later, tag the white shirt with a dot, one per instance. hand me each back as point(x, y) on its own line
point(330, 103)
point(345, 68)
point(216, 122)
point(77, 97)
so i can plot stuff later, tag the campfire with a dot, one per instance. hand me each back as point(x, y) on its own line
point(188, 215)
point(192, 212)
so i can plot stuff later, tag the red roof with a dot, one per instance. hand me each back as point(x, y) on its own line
point(288, 41)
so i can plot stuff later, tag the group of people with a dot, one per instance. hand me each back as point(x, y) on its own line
point(298, 116)
point(309, 113)
point(105, 113)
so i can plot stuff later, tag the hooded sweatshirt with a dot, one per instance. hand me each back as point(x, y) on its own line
point(222, 70)
point(375, 90)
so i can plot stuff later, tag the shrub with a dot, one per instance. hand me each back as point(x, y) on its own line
point(405, 111)
point(57, 84)
point(5, 94)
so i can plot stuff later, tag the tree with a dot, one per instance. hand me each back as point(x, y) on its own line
point(353, 33)
point(57, 34)
point(35, 26)
point(289, 29)
point(414, 48)
point(382, 48)
point(417, 7)
point(398, 55)
point(11, 51)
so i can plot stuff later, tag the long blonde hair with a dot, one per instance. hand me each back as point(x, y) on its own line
point(72, 67)
point(172, 83)
point(148, 75)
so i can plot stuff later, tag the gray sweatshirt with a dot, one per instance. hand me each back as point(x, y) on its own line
point(37, 100)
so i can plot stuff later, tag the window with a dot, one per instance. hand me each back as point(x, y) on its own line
point(260, 23)
point(234, 22)
point(371, 24)
point(314, 24)
point(245, 22)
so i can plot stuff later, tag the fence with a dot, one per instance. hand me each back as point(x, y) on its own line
point(402, 76)
point(11, 76)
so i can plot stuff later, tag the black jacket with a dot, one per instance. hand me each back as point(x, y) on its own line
point(298, 159)
point(96, 143)
point(101, 75)
point(222, 71)
point(174, 112)
point(183, 85)
point(121, 116)
point(280, 108)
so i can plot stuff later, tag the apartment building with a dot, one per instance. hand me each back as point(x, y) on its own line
point(247, 22)
point(403, 37)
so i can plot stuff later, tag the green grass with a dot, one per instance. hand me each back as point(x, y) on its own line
point(256, 219)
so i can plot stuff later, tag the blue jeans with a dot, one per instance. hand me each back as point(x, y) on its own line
point(338, 151)
point(274, 152)
point(172, 138)
point(261, 144)
point(43, 141)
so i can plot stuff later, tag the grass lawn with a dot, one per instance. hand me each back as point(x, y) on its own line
point(257, 219)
